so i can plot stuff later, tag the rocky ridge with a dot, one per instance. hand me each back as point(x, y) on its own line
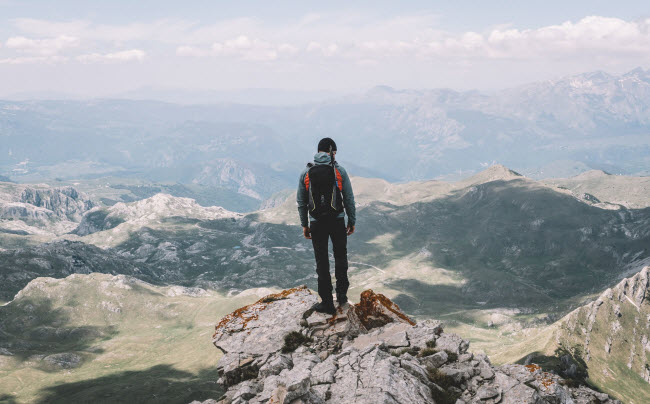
point(278, 350)
point(612, 333)
point(40, 209)
point(60, 259)
point(144, 212)
point(37, 203)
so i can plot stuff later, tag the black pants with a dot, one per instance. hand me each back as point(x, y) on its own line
point(321, 232)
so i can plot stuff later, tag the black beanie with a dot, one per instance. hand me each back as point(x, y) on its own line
point(325, 143)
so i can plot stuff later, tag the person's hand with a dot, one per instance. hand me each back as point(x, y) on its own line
point(350, 230)
point(306, 232)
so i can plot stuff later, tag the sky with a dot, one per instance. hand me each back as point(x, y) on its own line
point(102, 48)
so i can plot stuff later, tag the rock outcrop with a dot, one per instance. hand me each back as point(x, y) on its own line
point(40, 209)
point(64, 202)
point(146, 211)
point(278, 350)
point(612, 333)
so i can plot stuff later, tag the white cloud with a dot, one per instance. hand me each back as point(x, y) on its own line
point(337, 49)
point(589, 36)
point(192, 51)
point(348, 36)
point(47, 46)
point(33, 59)
point(121, 56)
point(326, 50)
point(241, 47)
point(287, 48)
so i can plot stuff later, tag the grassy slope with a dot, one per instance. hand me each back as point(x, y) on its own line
point(609, 371)
point(627, 190)
point(135, 342)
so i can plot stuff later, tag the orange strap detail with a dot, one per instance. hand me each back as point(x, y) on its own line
point(339, 179)
point(307, 181)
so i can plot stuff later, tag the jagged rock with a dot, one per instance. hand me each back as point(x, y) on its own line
point(323, 373)
point(276, 365)
point(244, 331)
point(424, 332)
point(459, 372)
point(436, 360)
point(614, 329)
point(376, 377)
point(370, 353)
point(452, 343)
point(392, 335)
point(63, 202)
point(376, 310)
point(487, 392)
point(63, 360)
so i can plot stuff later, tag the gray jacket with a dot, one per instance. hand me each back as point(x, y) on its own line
point(348, 197)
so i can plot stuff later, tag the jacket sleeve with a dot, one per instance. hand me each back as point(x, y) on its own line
point(348, 197)
point(302, 197)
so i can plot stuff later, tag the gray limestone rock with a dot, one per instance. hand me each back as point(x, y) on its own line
point(367, 355)
point(424, 332)
point(323, 373)
point(260, 328)
point(275, 365)
point(436, 360)
point(452, 343)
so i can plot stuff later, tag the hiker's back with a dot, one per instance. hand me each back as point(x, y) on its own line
point(324, 187)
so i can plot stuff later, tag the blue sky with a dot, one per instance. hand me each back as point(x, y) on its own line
point(104, 47)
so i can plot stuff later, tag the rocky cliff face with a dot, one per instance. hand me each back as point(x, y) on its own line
point(60, 259)
point(278, 350)
point(612, 336)
point(42, 206)
point(64, 202)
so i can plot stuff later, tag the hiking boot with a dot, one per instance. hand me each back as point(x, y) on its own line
point(325, 308)
point(341, 299)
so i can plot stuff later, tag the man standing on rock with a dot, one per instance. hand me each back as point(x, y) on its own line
point(325, 195)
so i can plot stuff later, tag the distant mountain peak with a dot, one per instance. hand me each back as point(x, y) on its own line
point(381, 89)
point(493, 173)
point(638, 72)
point(592, 174)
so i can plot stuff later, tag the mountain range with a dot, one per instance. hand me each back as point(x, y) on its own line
point(519, 218)
point(497, 256)
point(219, 151)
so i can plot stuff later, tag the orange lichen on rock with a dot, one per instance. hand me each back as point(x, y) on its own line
point(282, 295)
point(243, 315)
point(532, 368)
point(376, 310)
point(339, 315)
point(547, 382)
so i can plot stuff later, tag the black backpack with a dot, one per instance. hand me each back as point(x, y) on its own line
point(325, 200)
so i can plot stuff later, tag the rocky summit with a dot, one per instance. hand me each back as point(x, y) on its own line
point(278, 350)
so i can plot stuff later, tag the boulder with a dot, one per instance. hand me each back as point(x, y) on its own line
point(260, 328)
point(376, 310)
point(370, 352)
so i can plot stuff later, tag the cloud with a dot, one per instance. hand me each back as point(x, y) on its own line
point(592, 35)
point(345, 37)
point(325, 50)
point(33, 59)
point(48, 46)
point(413, 37)
point(121, 56)
point(241, 47)
point(166, 31)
